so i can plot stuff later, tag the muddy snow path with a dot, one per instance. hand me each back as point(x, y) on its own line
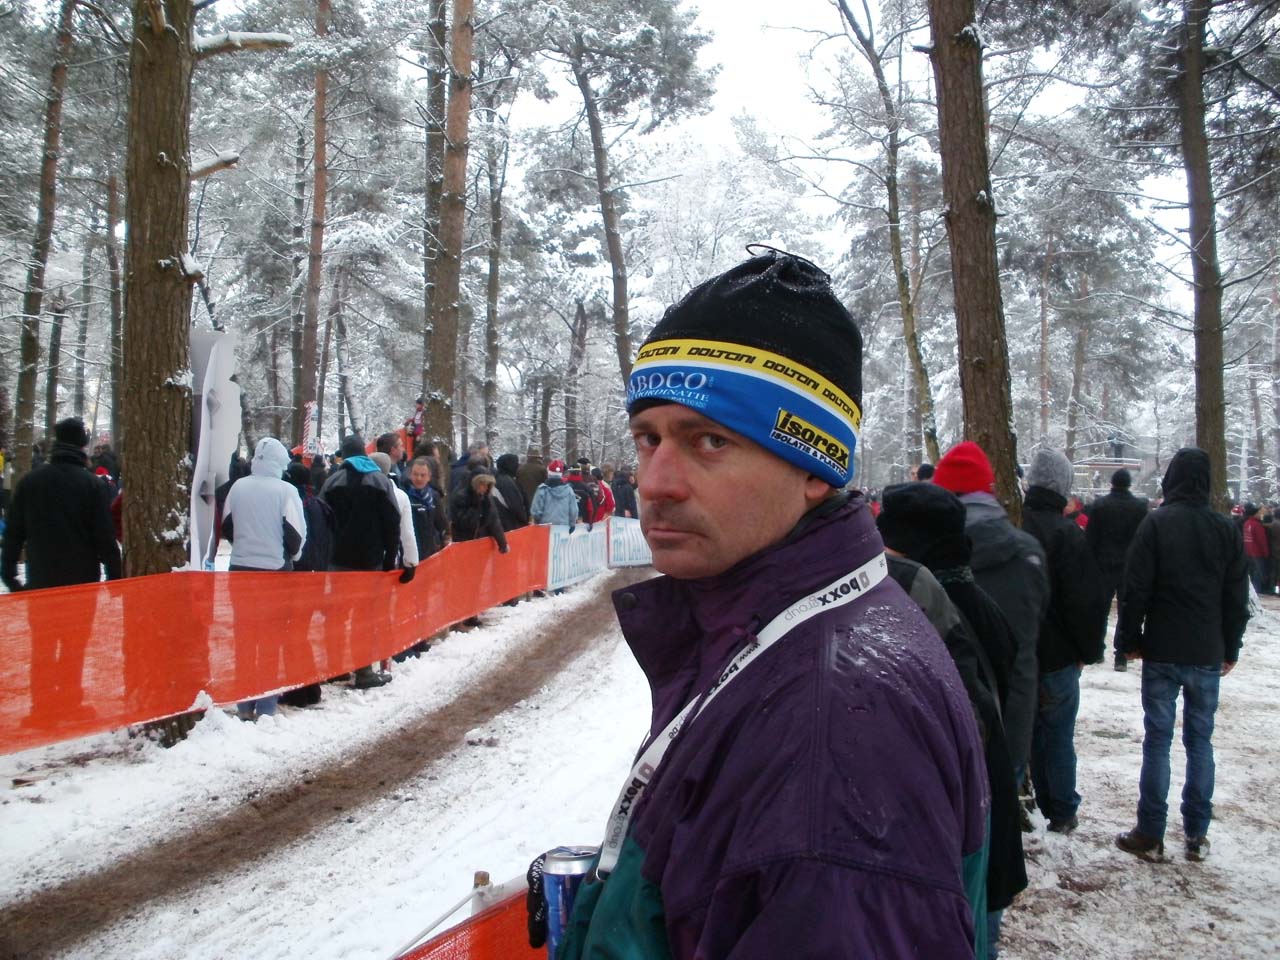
point(337, 831)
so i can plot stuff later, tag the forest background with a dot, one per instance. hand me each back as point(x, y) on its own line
point(490, 205)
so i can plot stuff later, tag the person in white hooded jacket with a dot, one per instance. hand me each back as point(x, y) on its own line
point(264, 523)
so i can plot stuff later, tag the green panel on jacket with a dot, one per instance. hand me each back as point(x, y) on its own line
point(619, 919)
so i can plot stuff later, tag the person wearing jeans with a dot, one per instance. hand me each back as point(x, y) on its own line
point(1053, 745)
point(1185, 610)
point(1160, 685)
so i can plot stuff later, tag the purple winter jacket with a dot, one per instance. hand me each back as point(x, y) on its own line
point(824, 803)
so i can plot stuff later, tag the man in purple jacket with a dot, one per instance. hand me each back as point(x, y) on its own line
point(813, 781)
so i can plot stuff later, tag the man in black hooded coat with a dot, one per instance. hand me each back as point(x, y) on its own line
point(1186, 605)
point(1113, 520)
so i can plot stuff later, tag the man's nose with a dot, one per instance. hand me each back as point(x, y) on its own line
point(665, 475)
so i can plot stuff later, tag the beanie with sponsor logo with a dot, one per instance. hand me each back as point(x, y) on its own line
point(768, 350)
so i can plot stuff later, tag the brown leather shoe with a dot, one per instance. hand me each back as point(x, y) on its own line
point(1197, 848)
point(1141, 845)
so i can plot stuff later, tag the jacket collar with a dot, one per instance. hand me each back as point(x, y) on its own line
point(682, 632)
point(68, 453)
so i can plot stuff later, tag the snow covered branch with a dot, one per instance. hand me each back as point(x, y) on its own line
point(224, 160)
point(231, 42)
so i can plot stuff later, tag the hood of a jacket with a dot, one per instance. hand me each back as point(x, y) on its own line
point(559, 490)
point(508, 463)
point(1187, 479)
point(1042, 498)
point(361, 464)
point(68, 453)
point(270, 459)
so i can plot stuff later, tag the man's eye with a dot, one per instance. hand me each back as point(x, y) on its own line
point(645, 441)
point(711, 441)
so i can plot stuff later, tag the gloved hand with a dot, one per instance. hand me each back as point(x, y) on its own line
point(503, 548)
point(535, 904)
point(406, 575)
point(14, 586)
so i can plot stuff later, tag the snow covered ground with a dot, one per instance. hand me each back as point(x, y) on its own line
point(544, 772)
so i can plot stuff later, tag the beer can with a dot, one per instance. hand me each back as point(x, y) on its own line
point(562, 873)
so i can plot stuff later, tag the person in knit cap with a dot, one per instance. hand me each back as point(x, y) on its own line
point(1010, 567)
point(1113, 521)
point(814, 782)
point(554, 501)
point(1071, 635)
point(61, 516)
point(923, 530)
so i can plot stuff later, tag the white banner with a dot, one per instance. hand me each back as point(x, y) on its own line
point(627, 547)
point(576, 553)
point(216, 412)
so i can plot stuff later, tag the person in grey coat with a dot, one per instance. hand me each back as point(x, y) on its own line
point(1009, 565)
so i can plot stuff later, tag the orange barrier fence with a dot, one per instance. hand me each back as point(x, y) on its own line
point(498, 933)
point(95, 657)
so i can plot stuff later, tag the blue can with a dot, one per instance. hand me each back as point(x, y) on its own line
point(562, 873)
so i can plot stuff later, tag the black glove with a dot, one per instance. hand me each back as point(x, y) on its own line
point(406, 575)
point(503, 548)
point(535, 904)
point(14, 586)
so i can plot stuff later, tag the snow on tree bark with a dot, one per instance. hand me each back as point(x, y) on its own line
point(433, 171)
point(156, 402)
point(306, 389)
point(46, 208)
point(58, 319)
point(971, 219)
point(117, 310)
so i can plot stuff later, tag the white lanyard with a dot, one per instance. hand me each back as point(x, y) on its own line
point(844, 589)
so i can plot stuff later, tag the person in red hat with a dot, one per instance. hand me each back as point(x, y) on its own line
point(1009, 565)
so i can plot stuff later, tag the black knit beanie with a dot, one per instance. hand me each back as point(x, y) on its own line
point(72, 432)
point(924, 522)
point(767, 349)
point(352, 446)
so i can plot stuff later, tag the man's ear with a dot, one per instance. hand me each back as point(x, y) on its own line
point(816, 490)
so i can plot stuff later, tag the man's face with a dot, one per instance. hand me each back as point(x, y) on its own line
point(397, 452)
point(420, 476)
point(709, 496)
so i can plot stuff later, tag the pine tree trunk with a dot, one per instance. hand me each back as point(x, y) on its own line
point(79, 403)
point(577, 352)
point(315, 250)
point(921, 391)
point(971, 219)
point(609, 215)
point(1274, 472)
point(46, 207)
point(443, 369)
point(342, 353)
point(544, 420)
point(157, 355)
point(297, 290)
point(1044, 342)
point(496, 177)
point(58, 319)
point(1210, 403)
point(117, 311)
point(335, 307)
point(433, 171)
point(1077, 387)
point(1260, 487)
point(273, 383)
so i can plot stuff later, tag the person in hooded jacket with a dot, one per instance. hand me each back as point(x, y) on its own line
point(624, 493)
point(265, 525)
point(1185, 610)
point(1113, 520)
point(61, 517)
point(474, 513)
point(555, 502)
point(923, 524)
point(1072, 634)
point(1009, 565)
point(532, 474)
point(812, 783)
point(366, 530)
point(513, 509)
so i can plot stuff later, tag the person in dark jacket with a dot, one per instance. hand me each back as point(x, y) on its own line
point(1009, 565)
point(823, 792)
point(1272, 524)
point(532, 474)
point(1113, 520)
point(366, 525)
point(624, 493)
point(430, 522)
point(61, 517)
point(474, 513)
point(1072, 634)
point(1257, 546)
point(924, 524)
point(513, 509)
point(317, 549)
point(476, 457)
point(1186, 607)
